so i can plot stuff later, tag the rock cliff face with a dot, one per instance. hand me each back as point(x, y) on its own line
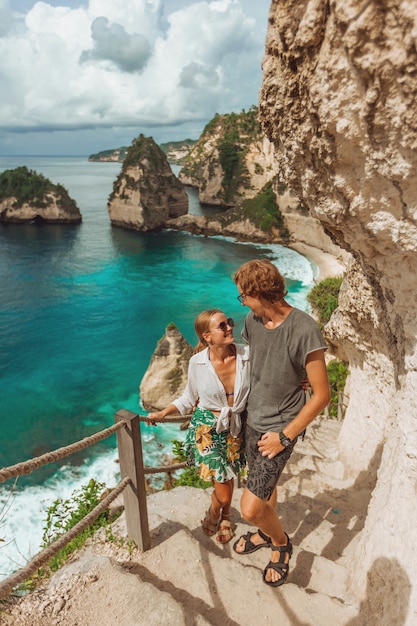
point(146, 192)
point(26, 196)
point(232, 160)
point(166, 376)
point(338, 100)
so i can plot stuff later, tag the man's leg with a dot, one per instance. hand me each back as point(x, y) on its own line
point(259, 500)
point(263, 514)
point(255, 537)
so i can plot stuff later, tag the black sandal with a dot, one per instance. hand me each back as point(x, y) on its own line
point(249, 545)
point(281, 566)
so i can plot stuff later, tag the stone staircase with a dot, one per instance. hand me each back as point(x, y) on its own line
point(189, 579)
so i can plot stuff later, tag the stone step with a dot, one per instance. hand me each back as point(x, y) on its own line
point(189, 578)
point(314, 461)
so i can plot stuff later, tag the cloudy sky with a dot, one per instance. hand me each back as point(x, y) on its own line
point(79, 76)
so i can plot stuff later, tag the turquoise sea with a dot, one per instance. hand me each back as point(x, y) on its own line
point(81, 310)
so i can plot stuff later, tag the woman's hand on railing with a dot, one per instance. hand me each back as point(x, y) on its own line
point(152, 418)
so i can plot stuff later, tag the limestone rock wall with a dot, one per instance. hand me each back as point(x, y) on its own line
point(53, 211)
point(166, 376)
point(339, 102)
point(203, 168)
point(146, 192)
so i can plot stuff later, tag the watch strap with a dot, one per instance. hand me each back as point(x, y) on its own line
point(285, 441)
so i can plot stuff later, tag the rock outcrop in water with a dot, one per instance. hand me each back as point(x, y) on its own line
point(166, 376)
point(146, 192)
point(29, 197)
point(339, 101)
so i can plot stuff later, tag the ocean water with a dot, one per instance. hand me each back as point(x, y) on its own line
point(82, 308)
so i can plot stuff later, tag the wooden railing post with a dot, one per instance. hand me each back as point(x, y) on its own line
point(131, 464)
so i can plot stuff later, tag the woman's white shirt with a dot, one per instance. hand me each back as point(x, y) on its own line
point(205, 387)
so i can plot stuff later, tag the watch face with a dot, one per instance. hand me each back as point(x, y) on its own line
point(285, 441)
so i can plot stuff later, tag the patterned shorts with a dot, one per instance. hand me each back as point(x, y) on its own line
point(216, 456)
point(264, 473)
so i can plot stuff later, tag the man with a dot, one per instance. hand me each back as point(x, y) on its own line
point(286, 345)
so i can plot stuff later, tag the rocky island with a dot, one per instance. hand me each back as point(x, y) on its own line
point(166, 375)
point(146, 193)
point(234, 167)
point(176, 152)
point(114, 155)
point(29, 197)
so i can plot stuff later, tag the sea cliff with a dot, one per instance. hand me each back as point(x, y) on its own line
point(146, 192)
point(338, 100)
point(29, 197)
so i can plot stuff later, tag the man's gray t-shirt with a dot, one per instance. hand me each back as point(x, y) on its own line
point(278, 358)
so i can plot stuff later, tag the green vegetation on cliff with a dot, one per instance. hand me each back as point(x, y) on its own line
point(337, 372)
point(324, 298)
point(27, 186)
point(144, 148)
point(114, 155)
point(262, 211)
point(233, 133)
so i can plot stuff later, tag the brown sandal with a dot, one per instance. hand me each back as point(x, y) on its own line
point(226, 531)
point(209, 525)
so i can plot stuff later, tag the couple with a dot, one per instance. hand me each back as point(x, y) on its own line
point(285, 346)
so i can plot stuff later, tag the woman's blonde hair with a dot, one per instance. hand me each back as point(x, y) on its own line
point(202, 326)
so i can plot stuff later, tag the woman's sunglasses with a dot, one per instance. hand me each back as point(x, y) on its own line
point(223, 325)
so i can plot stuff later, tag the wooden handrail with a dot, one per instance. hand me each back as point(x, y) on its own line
point(132, 485)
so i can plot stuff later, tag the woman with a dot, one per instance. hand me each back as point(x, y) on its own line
point(218, 386)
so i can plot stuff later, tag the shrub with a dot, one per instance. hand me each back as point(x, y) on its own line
point(63, 515)
point(263, 210)
point(324, 298)
point(189, 476)
point(337, 372)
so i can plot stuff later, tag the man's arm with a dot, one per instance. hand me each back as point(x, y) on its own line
point(270, 444)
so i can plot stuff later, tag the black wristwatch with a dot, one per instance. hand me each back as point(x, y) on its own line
point(285, 441)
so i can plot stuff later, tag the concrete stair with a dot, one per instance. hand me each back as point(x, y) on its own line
point(189, 579)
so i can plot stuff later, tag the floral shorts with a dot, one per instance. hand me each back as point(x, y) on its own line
point(216, 456)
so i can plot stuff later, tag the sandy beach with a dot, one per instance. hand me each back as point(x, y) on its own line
point(327, 264)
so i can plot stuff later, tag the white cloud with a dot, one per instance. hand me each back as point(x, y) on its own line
point(127, 64)
point(130, 53)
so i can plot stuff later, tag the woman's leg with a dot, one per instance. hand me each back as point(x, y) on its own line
point(221, 498)
point(222, 501)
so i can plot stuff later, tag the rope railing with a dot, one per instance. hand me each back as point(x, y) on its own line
point(26, 467)
point(7, 585)
point(164, 468)
point(127, 429)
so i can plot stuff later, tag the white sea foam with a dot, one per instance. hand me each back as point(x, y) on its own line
point(23, 512)
point(290, 263)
